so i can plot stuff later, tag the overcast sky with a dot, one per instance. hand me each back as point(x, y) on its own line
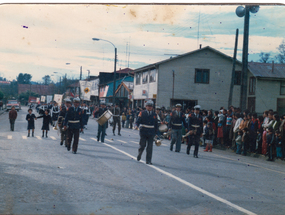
point(46, 39)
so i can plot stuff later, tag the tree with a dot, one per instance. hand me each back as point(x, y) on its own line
point(264, 57)
point(281, 56)
point(46, 80)
point(25, 96)
point(24, 78)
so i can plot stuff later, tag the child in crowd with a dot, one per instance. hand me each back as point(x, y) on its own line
point(124, 118)
point(258, 145)
point(264, 144)
point(270, 142)
point(31, 121)
point(245, 140)
point(204, 129)
point(239, 142)
point(209, 136)
point(46, 121)
point(220, 134)
point(278, 144)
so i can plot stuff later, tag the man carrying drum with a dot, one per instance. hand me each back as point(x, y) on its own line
point(101, 128)
point(147, 122)
point(175, 126)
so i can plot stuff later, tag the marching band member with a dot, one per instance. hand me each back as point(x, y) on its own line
point(116, 119)
point(101, 128)
point(73, 119)
point(54, 113)
point(195, 127)
point(61, 118)
point(147, 122)
point(175, 126)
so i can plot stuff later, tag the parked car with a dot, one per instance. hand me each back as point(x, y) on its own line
point(14, 103)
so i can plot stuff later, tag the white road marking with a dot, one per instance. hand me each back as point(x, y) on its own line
point(81, 139)
point(109, 140)
point(53, 138)
point(93, 139)
point(24, 137)
point(122, 141)
point(188, 184)
point(38, 137)
point(9, 137)
point(135, 142)
point(163, 144)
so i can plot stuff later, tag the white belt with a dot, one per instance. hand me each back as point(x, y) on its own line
point(71, 121)
point(177, 124)
point(147, 126)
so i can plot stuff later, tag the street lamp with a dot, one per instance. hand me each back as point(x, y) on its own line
point(115, 61)
point(240, 12)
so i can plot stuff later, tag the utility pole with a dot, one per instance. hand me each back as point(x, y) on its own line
point(243, 89)
point(80, 73)
point(233, 71)
point(114, 85)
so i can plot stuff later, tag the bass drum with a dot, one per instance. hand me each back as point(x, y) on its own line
point(162, 128)
point(104, 117)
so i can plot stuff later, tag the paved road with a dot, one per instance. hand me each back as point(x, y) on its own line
point(38, 176)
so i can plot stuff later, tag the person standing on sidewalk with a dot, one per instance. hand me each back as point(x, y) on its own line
point(12, 117)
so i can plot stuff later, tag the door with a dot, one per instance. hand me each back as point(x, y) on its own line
point(251, 104)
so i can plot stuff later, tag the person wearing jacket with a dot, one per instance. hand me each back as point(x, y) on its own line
point(12, 117)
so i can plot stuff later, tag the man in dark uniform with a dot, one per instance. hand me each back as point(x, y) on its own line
point(73, 119)
point(116, 119)
point(101, 128)
point(195, 127)
point(147, 121)
point(61, 118)
point(175, 126)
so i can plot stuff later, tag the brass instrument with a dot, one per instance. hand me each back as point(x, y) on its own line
point(191, 131)
point(157, 141)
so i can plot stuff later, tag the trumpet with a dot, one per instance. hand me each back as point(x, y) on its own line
point(157, 141)
point(191, 131)
point(166, 134)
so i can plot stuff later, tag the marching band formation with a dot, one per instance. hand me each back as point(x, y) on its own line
point(71, 118)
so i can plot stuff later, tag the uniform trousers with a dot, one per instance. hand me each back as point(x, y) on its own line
point(12, 123)
point(75, 134)
point(176, 135)
point(101, 132)
point(193, 140)
point(116, 120)
point(62, 133)
point(146, 141)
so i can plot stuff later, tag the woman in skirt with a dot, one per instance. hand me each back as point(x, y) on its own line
point(31, 121)
point(46, 121)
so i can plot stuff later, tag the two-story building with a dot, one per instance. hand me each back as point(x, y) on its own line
point(199, 77)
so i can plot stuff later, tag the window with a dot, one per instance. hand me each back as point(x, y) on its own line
point(202, 76)
point(152, 75)
point(252, 81)
point(145, 77)
point(138, 78)
point(237, 80)
point(282, 88)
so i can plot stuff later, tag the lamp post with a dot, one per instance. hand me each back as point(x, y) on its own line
point(115, 62)
point(240, 12)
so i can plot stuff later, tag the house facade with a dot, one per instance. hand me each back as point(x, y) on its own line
point(266, 87)
point(199, 77)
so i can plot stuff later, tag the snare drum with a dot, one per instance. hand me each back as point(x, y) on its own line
point(162, 128)
point(104, 117)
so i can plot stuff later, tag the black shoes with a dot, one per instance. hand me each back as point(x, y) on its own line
point(114, 134)
point(68, 148)
point(149, 163)
point(28, 135)
point(33, 134)
point(188, 152)
point(138, 158)
point(61, 143)
point(73, 152)
point(195, 156)
point(119, 134)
